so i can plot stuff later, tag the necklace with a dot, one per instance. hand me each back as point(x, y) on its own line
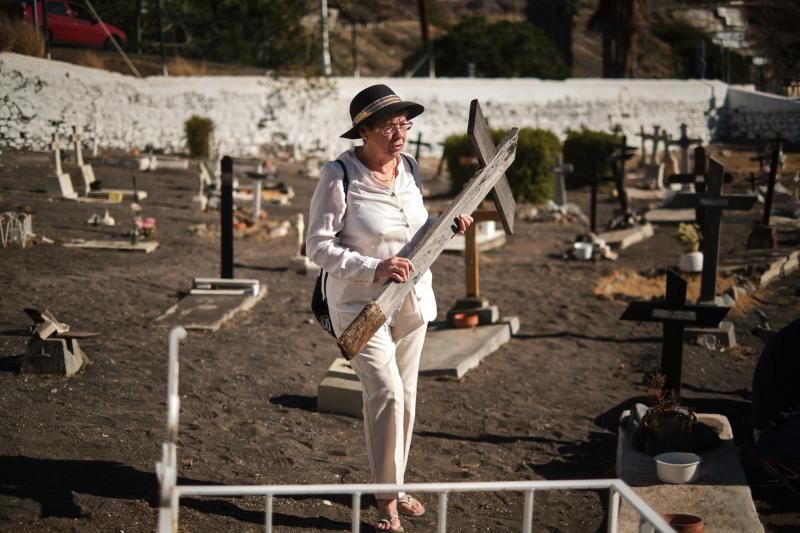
point(378, 175)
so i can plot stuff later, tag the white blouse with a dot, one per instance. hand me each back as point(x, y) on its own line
point(348, 239)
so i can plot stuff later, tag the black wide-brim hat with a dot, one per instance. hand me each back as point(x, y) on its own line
point(374, 102)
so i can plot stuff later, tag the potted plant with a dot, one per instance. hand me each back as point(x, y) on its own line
point(689, 237)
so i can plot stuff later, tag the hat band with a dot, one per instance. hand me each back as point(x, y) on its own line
point(378, 104)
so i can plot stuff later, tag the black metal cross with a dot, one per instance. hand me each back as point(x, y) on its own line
point(675, 315)
point(418, 143)
point(712, 202)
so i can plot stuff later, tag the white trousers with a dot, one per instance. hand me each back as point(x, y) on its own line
point(388, 368)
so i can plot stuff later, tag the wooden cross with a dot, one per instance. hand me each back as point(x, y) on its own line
point(773, 173)
point(226, 218)
point(480, 138)
point(697, 178)
point(424, 250)
point(654, 137)
point(712, 202)
point(560, 169)
point(594, 181)
point(763, 235)
point(418, 143)
point(76, 138)
point(56, 145)
point(684, 142)
point(675, 315)
point(617, 160)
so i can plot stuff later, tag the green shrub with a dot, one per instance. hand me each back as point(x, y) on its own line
point(198, 132)
point(494, 50)
point(582, 148)
point(529, 176)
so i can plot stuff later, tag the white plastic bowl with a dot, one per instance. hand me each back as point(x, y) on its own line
point(583, 250)
point(678, 467)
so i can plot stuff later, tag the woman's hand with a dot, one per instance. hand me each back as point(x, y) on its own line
point(461, 223)
point(395, 268)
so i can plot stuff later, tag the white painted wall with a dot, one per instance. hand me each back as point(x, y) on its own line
point(37, 96)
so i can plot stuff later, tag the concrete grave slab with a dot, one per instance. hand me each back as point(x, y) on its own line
point(207, 312)
point(761, 266)
point(635, 193)
point(664, 215)
point(454, 351)
point(720, 496)
point(340, 391)
point(623, 238)
point(125, 246)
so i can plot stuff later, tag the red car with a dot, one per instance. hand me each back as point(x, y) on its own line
point(71, 23)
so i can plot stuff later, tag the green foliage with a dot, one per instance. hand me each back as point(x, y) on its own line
point(582, 148)
point(198, 132)
point(530, 176)
point(267, 33)
point(685, 41)
point(497, 49)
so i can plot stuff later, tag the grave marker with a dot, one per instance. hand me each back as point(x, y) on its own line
point(763, 235)
point(89, 180)
point(560, 169)
point(64, 181)
point(712, 202)
point(418, 143)
point(683, 142)
point(424, 251)
point(226, 218)
point(675, 315)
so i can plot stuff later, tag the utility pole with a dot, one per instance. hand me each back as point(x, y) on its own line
point(326, 53)
point(161, 37)
point(46, 30)
point(427, 42)
point(354, 36)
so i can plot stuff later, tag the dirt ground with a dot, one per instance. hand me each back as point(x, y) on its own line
point(78, 454)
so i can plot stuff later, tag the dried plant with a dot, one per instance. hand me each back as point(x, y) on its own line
point(21, 38)
point(689, 236)
point(663, 400)
point(92, 60)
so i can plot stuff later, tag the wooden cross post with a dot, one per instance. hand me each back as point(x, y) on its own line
point(560, 169)
point(424, 251)
point(712, 202)
point(226, 218)
point(418, 143)
point(480, 138)
point(697, 178)
point(684, 142)
point(764, 236)
point(675, 315)
point(656, 138)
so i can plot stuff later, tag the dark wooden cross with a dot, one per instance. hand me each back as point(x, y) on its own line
point(684, 142)
point(622, 153)
point(713, 203)
point(655, 138)
point(418, 143)
point(226, 218)
point(424, 250)
point(594, 181)
point(675, 315)
point(697, 178)
point(764, 236)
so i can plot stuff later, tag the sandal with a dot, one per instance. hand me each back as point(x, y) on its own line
point(386, 522)
point(405, 506)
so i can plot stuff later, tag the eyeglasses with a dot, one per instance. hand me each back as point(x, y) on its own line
point(389, 130)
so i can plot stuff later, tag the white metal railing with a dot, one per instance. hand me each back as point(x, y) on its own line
point(170, 494)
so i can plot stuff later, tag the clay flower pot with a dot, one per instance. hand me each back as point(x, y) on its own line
point(691, 262)
point(684, 523)
point(465, 320)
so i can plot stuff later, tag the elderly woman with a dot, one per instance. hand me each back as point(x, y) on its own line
point(365, 213)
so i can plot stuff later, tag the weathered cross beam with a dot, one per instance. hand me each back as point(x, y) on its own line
point(712, 202)
point(675, 315)
point(480, 138)
point(424, 251)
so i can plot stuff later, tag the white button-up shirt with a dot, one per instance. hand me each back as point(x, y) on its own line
point(348, 237)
